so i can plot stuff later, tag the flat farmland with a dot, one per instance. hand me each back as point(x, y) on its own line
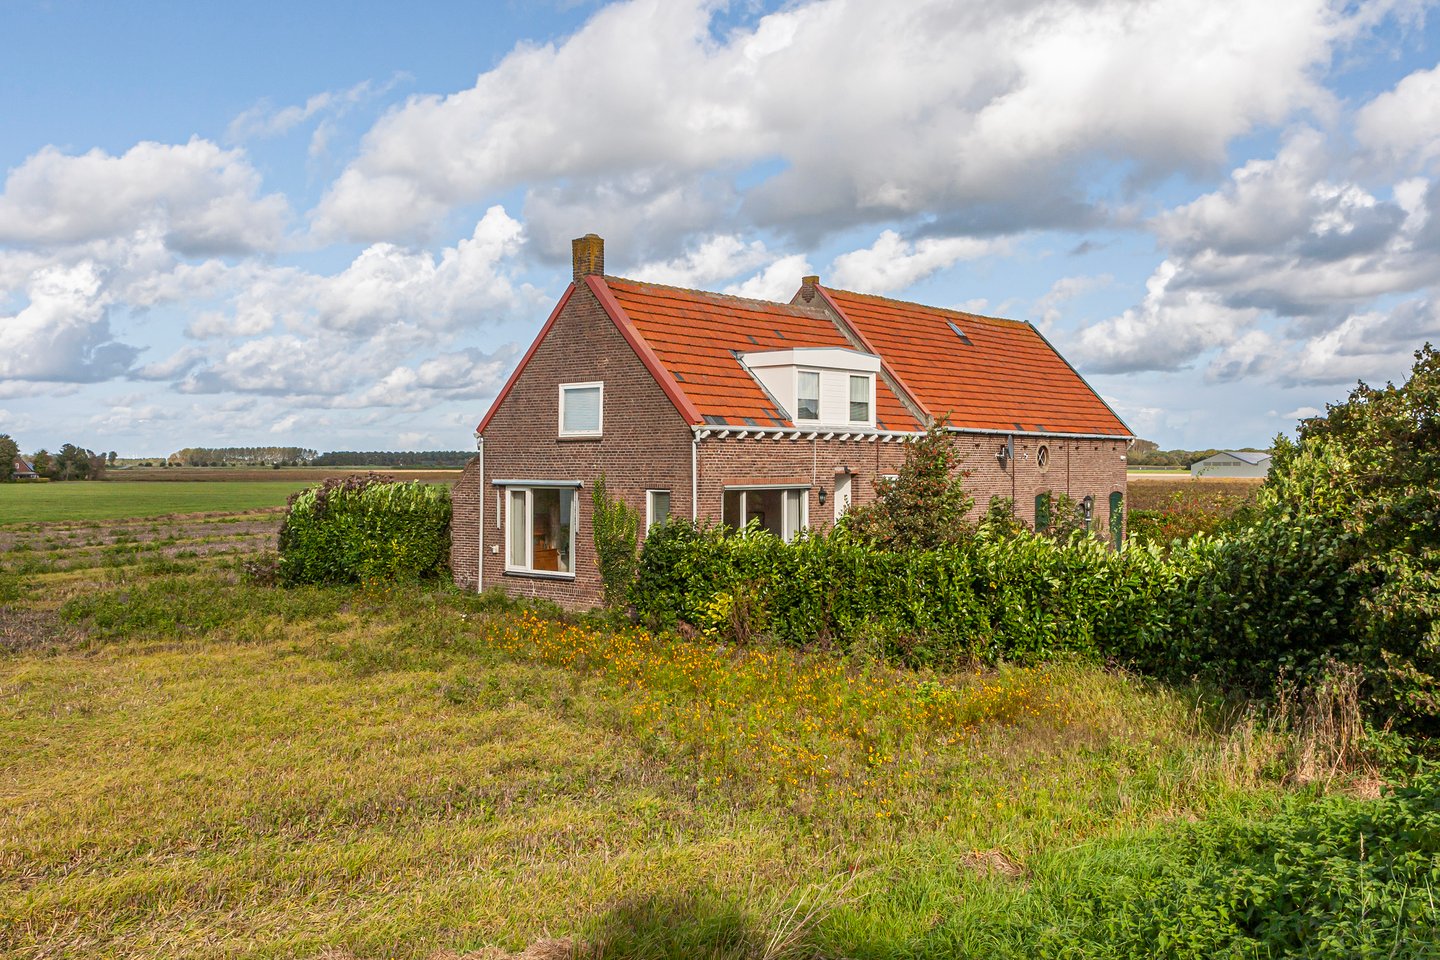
point(1158, 491)
point(241, 490)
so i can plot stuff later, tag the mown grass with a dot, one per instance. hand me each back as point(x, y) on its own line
point(194, 766)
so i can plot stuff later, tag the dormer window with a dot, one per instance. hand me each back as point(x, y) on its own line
point(818, 386)
point(807, 395)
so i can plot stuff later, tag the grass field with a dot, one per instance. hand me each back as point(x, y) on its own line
point(191, 765)
point(111, 500)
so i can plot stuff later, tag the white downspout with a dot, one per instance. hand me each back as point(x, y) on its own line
point(480, 498)
point(694, 479)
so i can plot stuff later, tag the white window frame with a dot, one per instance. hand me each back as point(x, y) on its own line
point(818, 390)
point(650, 520)
point(786, 489)
point(600, 418)
point(528, 493)
point(869, 404)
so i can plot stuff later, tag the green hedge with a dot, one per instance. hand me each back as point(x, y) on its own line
point(1022, 598)
point(365, 528)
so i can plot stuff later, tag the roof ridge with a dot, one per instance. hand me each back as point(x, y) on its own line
point(804, 309)
point(926, 306)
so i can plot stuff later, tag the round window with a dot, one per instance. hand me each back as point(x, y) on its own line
point(1042, 457)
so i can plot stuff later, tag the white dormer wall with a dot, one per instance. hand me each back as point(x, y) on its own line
point(779, 372)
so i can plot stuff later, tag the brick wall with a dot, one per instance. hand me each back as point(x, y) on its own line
point(646, 445)
point(1075, 467)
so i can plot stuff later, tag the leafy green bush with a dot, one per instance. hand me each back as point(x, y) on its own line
point(364, 528)
point(1338, 878)
point(616, 527)
point(1018, 597)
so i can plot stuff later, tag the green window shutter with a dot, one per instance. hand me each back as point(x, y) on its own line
point(1117, 519)
point(1042, 511)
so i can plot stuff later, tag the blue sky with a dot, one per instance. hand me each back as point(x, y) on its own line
point(338, 226)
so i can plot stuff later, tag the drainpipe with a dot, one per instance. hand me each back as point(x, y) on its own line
point(480, 505)
point(694, 479)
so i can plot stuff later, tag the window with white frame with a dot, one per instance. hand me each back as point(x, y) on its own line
point(540, 530)
point(781, 510)
point(860, 388)
point(582, 409)
point(807, 395)
point(657, 507)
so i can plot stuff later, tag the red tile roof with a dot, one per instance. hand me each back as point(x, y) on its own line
point(695, 336)
point(1001, 375)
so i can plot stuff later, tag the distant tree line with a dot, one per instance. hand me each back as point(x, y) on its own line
point(1147, 453)
point(241, 457)
point(69, 463)
point(394, 458)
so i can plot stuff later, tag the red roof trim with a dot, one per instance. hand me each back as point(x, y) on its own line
point(643, 350)
point(505, 390)
point(870, 347)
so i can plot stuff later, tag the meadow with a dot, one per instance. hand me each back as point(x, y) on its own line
point(160, 492)
point(192, 763)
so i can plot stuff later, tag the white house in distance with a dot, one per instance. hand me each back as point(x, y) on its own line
point(1232, 463)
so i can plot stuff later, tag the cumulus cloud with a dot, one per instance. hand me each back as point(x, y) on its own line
point(991, 112)
point(63, 334)
point(778, 281)
point(893, 263)
point(1403, 125)
point(201, 199)
point(718, 258)
point(1279, 270)
point(1064, 290)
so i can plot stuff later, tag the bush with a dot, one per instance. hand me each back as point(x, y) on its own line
point(1018, 597)
point(616, 526)
point(364, 528)
point(1338, 878)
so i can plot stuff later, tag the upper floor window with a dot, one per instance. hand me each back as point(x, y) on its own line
point(860, 399)
point(581, 409)
point(807, 395)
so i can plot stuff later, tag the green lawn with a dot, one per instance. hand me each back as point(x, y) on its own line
point(49, 502)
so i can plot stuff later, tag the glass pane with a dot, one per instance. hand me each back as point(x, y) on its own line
point(808, 400)
point(730, 515)
point(659, 506)
point(550, 529)
point(582, 410)
point(792, 513)
point(860, 399)
point(519, 556)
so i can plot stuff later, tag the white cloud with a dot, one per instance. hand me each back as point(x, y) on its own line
point(779, 281)
point(893, 263)
point(199, 198)
point(1302, 413)
point(63, 334)
point(264, 120)
point(866, 108)
point(1063, 291)
point(1403, 125)
point(718, 258)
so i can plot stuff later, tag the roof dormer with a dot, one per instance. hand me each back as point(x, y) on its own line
point(819, 386)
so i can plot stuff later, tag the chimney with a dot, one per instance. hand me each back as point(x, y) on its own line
point(588, 255)
point(807, 288)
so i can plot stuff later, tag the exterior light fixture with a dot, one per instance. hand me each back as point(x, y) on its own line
point(823, 496)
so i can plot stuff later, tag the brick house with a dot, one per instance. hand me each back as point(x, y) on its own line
point(719, 408)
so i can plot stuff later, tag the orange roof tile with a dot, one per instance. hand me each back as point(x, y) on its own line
point(1002, 375)
point(695, 336)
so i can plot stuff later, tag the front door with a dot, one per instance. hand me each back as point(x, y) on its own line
point(842, 495)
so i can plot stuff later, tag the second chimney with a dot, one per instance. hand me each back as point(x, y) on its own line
point(807, 288)
point(588, 255)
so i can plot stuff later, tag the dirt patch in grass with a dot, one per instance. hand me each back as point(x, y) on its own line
point(28, 630)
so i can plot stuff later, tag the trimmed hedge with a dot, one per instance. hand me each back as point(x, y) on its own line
point(365, 528)
point(1023, 598)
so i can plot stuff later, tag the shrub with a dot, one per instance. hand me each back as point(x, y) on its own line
point(926, 505)
point(1336, 878)
point(616, 526)
point(364, 528)
point(1017, 597)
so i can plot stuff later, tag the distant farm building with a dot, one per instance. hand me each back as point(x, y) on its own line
point(1233, 463)
point(24, 471)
